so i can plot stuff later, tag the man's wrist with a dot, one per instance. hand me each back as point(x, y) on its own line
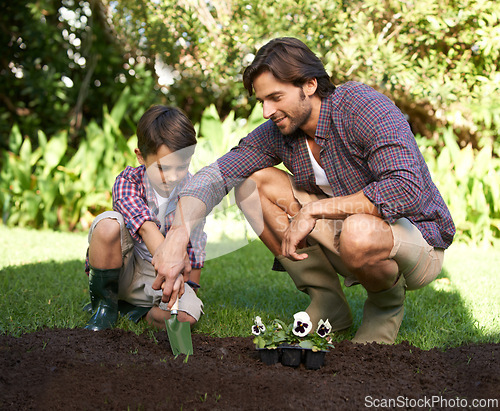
point(310, 211)
point(180, 233)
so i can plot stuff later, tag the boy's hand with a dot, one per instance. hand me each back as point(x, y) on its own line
point(172, 265)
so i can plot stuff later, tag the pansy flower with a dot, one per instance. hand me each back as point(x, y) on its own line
point(324, 328)
point(259, 326)
point(301, 324)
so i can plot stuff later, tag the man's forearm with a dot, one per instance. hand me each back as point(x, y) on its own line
point(170, 259)
point(189, 213)
point(341, 207)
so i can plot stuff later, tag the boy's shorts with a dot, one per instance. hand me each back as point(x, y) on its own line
point(418, 262)
point(137, 275)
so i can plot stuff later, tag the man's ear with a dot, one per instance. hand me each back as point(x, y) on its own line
point(310, 87)
point(139, 156)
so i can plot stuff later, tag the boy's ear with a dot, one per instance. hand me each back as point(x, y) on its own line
point(139, 156)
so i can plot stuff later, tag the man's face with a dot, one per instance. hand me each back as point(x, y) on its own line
point(287, 105)
point(165, 169)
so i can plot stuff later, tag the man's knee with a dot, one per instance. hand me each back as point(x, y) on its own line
point(257, 182)
point(267, 185)
point(362, 237)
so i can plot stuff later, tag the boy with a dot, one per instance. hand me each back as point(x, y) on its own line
point(122, 242)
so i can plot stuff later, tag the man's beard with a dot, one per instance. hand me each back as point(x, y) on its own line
point(296, 120)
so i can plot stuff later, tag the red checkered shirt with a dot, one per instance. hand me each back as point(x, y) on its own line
point(366, 144)
point(134, 199)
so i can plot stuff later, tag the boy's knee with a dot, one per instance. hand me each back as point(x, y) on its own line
point(157, 317)
point(107, 231)
point(184, 317)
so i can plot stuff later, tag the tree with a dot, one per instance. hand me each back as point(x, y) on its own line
point(61, 65)
point(438, 59)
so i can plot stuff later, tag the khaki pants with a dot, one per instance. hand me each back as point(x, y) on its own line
point(418, 262)
point(137, 275)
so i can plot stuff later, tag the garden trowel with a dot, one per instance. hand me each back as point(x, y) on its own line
point(179, 333)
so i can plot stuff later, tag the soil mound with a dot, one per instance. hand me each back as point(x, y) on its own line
point(76, 369)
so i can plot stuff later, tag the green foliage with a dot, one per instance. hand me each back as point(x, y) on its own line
point(437, 59)
point(469, 181)
point(274, 335)
point(65, 60)
point(48, 188)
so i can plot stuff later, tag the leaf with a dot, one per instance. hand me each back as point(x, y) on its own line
point(15, 139)
point(452, 145)
point(54, 151)
point(121, 106)
point(306, 344)
point(465, 163)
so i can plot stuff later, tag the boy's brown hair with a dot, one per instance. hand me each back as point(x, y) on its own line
point(164, 125)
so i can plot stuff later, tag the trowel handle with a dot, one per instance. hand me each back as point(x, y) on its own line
point(175, 307)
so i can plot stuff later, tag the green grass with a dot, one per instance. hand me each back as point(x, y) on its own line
point(42, 284)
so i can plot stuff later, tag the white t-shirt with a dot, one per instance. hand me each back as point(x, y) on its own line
point(319, 174)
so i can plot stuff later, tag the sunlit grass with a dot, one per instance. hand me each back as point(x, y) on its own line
point(42, 284)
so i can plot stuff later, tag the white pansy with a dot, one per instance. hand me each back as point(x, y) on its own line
point(255, 330)
point(324, 328)
point(259, 326)
point(302, 324)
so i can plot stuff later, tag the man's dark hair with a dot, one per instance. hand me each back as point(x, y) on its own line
point(163, 125)
point(289, 60)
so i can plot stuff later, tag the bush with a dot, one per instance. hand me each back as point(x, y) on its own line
point(469, 181)
point(49, 188)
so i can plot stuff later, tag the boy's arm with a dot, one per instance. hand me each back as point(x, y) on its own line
point(195, 276)
point(129, 199)
point(151, 236)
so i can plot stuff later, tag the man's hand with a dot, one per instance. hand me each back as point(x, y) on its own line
point(294, 237)
point(335, 208)
point(172, 265)
point(170, 259)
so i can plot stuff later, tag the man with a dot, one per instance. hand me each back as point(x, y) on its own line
point(360, 201)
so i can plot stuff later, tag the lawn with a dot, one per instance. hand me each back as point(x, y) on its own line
point(42, 284)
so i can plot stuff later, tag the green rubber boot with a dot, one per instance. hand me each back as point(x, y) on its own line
point(103, 289)
point(132, 312)
point(382, 315)
point(316, 277)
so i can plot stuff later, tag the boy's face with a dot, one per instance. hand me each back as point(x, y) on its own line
point(165, 169)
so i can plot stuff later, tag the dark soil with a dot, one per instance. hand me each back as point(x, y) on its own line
point(117, 370)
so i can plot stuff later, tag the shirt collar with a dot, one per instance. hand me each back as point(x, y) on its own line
point(324, 119)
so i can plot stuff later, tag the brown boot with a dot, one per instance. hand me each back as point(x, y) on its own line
point(316, 277)
point(382, 315)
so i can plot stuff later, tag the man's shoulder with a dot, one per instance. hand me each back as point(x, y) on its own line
point(354, 95)
point(353, 89)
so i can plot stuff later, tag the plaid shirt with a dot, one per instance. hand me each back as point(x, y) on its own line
point(366, 144)
point(134, 199)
